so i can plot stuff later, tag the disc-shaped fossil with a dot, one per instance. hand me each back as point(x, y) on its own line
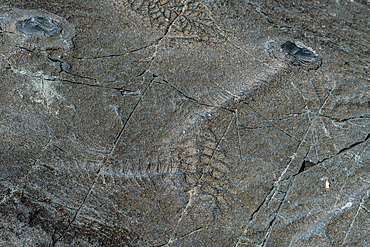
point(36, 29)
point(37, 26)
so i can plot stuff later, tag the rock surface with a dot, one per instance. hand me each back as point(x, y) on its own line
point(184, 123)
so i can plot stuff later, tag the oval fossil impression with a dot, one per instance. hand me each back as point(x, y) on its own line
point(294, 55)
point(37, 26)
point(301, 57)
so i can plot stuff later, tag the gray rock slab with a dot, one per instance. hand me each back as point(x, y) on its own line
point(184, 123)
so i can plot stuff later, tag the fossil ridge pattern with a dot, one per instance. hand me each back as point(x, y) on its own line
point(184, 123)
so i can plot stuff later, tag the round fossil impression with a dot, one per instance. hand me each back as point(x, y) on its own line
point(36, 29)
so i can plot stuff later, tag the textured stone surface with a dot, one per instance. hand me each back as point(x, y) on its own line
point(184, 123)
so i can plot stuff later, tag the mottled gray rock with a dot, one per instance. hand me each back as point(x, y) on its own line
point(184, 123)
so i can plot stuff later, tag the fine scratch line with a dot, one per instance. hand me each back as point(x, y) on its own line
point(106, 158)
